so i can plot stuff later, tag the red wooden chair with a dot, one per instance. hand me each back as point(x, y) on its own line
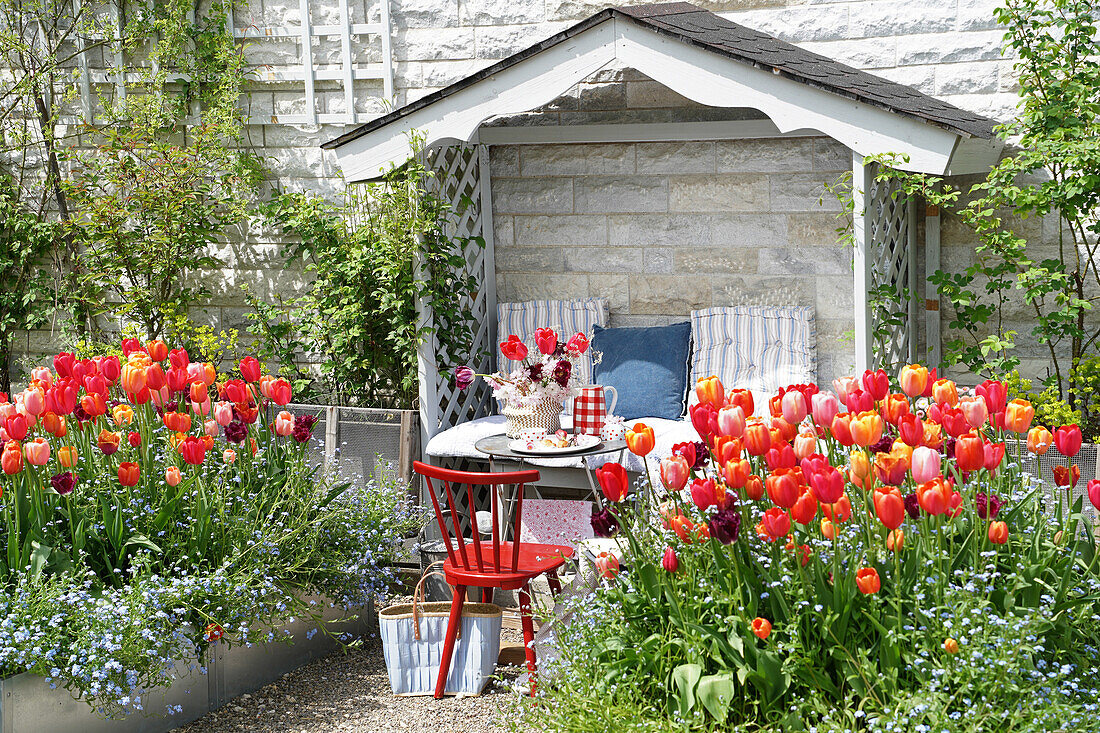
point(504, 563)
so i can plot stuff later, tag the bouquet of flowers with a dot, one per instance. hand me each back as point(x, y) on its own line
point(548, 376)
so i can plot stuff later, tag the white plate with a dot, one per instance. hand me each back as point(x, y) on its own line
point(584, 442)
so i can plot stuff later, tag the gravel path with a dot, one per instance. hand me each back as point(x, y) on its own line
point(350, 693)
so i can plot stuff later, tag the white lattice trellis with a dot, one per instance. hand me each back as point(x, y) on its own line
point(351, 33)
point(458, 171)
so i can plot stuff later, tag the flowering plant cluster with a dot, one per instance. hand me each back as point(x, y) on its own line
point(549, 375)
point(814, 561)
point(153, 476)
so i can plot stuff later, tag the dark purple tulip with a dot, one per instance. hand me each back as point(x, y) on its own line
point(912, 506)
point(464, 377)
point(604, 523)
point(988, 506)
point(63, 483)
point(725, 526)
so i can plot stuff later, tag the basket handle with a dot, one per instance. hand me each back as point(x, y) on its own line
point(418, 597)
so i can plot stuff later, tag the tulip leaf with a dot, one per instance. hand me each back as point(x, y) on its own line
point(715, 691)
point(685, 677)
point(40, 553)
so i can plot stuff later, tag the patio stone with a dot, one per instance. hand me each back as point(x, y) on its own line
point(706, 260)
point(676, 157)
point(668, 294)
point(598, 259)
point(802, 192)
point(569, 230)
point(831, 155)
point(542, 287)
point(658, 260)
point(756, 290)
point(806, 261)
point(895, 19)
point(765, 155)
point(530, 259)
point(614, 287)
point(523, 195)
point(621, 194)
point(719, 193)
point(503, 161)
point(660, 230)
point(813, 229)
point(654, 94)
point(759, 230)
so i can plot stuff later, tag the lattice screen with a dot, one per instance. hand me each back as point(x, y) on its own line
point(457, 179)
point(343, 41)
point(892, 271)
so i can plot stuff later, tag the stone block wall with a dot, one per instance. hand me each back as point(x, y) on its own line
point(661, 229)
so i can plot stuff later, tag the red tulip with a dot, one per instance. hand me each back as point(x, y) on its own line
point(669, 562)
point(1094, 493)
point(842, 429)
point(876, 383)
point(776, 524)
point(177, 379)
point(547, 340)
point(1067, 439)
point(890, 509)
point(935, 496)
point(578, 344)
point(1067, 476)
point(704, 418)
point(761, 628)
point(969, 452)
point(16, 426)
point(155, 379)
point(608, 565)
point(859, 400)
point(63, 364)
point(250, 369)
point(995, 395)
point(130, 346)
point(782, 487)
point(613, 481)
point(954, 422)
point(514, 348)
point(828, 485)
point(780, 456)
point(867, 581)
point(994, 454)
point(280, 392)
point(911, 430)
point(128, 474)
point(110, 368)
point(178, 359)
point(804, 509)
point(193, 450)
point(703, 494)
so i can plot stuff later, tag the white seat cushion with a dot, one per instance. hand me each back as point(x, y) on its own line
point(760, 348)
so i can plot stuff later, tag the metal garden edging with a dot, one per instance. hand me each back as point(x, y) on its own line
point(28, 705)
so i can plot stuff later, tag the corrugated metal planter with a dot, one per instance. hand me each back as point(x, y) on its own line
point(28, 705)
point(413, 660)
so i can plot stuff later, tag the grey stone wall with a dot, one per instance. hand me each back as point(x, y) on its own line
point(661, 229)
point(663, 212)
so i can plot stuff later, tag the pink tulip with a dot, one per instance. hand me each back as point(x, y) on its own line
point(975, 410)
point(202, 408)
point(794, 406)
point(926, 464)
point(43, 375)
point(223, 413)
point(825, 407)
point(703, 493)
point(160, 396)
point(731, 421)
point(674, 472)
point(210, 427)
point(805, 444)
point(1094, 493)
point(578, 344)
point(547, 340)
point(37, 452)
point(284, 424)
point(196, 372)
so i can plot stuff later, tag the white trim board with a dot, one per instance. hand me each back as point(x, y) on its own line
point(698, 74)
point(639, 132)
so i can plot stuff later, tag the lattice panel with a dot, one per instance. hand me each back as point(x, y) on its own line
point(456, 179)
point(888, 225)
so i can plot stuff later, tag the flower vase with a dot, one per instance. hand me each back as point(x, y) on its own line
point(544, 415)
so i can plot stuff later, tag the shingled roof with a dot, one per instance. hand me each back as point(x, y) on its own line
point(702, 28)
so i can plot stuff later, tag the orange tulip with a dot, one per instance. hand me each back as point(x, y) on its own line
point(67, 456)
point(736, 473)
point(933, 435)
point(894, 407)
point(805, 444)
point(674, 472)
point(969, 452)
point(828, 529)
point(783, 431)
point(710, 391)
point(613, 480)
point(998, 533)
point(842, 429)
point(934, 496)
point(128, 474)
point(867, 428)
point(172, 476)
point(867, 581)
point(838, 511)
point(133, 378)
point(890, 508)
point(758, 439)
point(55, 425)
point(895, 540)
point(683, 527)
point(122, 415)
point(890, 468)
point(608, 565)
point(743, 399)
point(754, 488)
point(805, 508)
point(37, 452)
point(913, 379)
point(1039, 440)
point(782, 487)
point(950, 646)
point(1018, 416)
point(944, 392)
point(761, 627)
point(726, 449)
point(11, 458)
point(859, 468)
point(158, 350)
point(640, 439)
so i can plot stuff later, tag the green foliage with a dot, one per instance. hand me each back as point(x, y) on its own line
point(26, 286)
point(1054, 170)
point(360, 311)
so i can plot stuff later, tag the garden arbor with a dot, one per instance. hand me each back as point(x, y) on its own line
point(715, 62)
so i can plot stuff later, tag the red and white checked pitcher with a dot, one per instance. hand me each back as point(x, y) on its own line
point(590, 409)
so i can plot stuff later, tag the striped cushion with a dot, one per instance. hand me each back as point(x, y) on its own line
point(567, 317)
point(761, 348)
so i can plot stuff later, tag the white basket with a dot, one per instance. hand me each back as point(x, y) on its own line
point(413, 635)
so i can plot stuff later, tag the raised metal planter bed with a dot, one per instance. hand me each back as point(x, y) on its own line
point(28, 705)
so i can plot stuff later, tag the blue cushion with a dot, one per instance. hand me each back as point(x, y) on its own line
point(646, 366)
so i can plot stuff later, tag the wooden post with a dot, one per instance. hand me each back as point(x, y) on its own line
point(931, 294)
point(861, 260)
point(408, 448)
point(911, 271)
point(332, 426)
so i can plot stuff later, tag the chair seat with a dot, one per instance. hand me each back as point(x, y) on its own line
point(534, 560)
